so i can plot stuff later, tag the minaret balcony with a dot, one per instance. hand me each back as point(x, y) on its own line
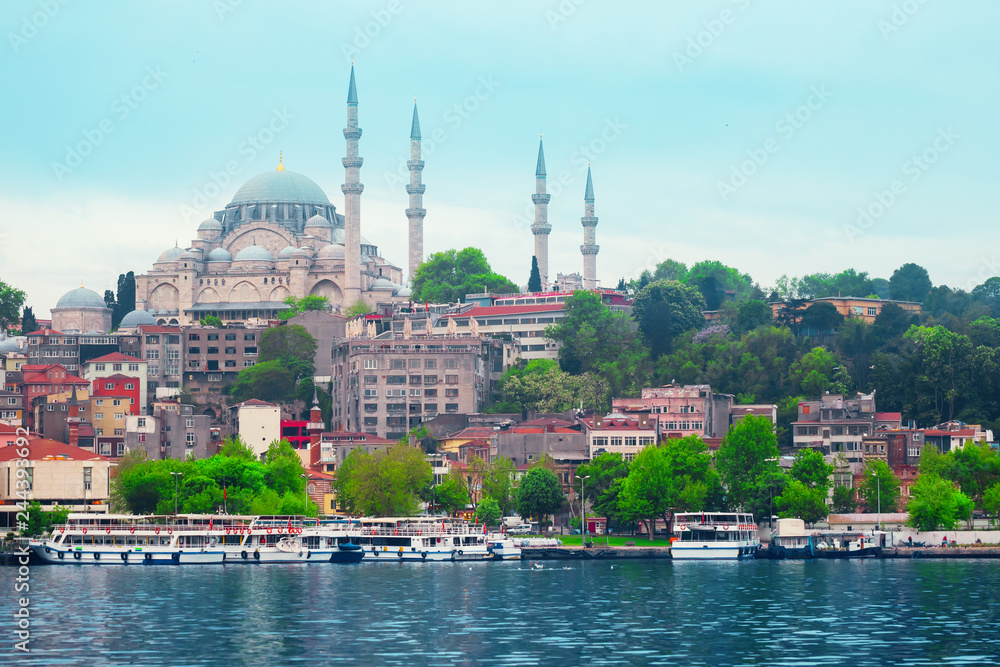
point(352, 134)
point(588, 221)
point(416, 212)
point(541, 228)
point(353, 162)
point(415, 189)
point(414, 164)
point(589, 249)
point(541, 199)
point(352, 188)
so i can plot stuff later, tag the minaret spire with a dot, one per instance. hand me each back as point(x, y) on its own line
point(541, 227)
point(589, 249)
point(416, 212)
point(352, 189)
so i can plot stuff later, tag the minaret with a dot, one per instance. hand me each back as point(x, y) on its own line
point(416, 212)
point(541, 228)
point(352, 190)
point(589, 249)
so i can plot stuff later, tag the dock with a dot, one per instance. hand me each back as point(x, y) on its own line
point(593, 553)
point(941, 552)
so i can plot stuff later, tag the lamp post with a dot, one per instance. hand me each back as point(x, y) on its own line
point(583, 512)
point(770, 489)
point(306, 478)
point(175, 476)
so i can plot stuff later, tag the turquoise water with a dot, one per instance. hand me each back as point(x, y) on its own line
point(902, 612)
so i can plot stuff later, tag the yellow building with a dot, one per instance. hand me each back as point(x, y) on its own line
point(862, 308)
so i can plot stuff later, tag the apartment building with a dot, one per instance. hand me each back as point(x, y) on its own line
point(619, 434)
point(104, 369)
point(48, 346)
point(172, 431)
point(213, 356)
point(835, 423)
point(162, 349)
point(680, 411)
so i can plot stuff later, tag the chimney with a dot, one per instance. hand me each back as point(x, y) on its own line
point(643, 420)
point(598, 421)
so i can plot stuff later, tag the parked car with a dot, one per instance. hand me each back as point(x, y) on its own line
point(520, 529)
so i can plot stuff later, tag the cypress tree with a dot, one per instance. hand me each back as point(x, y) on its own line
point(535, 281)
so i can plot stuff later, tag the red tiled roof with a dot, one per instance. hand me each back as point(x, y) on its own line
point(114, 356)
point(475, 443)
point(45, 332)
point(39, 378)
point(255, 402)
point(472, 432)
point(39, 448)
point(118, 376)
point(316, 473)
point(961, 433)
point(494, 311)
point(888, 416)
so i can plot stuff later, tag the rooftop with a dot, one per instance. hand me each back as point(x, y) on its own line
point(41, 449)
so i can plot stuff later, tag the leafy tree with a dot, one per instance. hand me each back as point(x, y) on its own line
point(751, 314)
point(880, 487)
point(267, 381)
point(664, 310)
point(488, 511)
point(743, 457)
point(535, 278)
point(297, 306)
point(541, 385)
point(292, 346)
point(991, 503)
point(388, 482)
point(591, 334)
point(936, 503)
point(211, 321)
point(818, 371)
point(539, 493)
point(234, 447)
point(28, 322)
point(891, 323)
point(125, 301)
point(452, 494)
point(821, 316)
point(11, 301)
point(801, 501)
point(843, 500)
point(622, 287)
point(766, 488)
point(714, 279)
point(356, 309)
point(975, 467)
point(607, 472)
point(910, 282)
point(496, 480)
point(812, 470)
point(941, 365)
point(446, 277)
point(41, 521)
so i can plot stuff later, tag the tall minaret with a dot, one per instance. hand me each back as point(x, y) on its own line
point(416, 212)
point(352, 190)
point(541, 226)
point(589, 249)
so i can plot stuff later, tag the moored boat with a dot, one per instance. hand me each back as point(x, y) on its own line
point(420, 539)
point(790, 541)
point(714, 535)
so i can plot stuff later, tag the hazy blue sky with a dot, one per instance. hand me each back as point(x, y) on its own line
point(745, 131)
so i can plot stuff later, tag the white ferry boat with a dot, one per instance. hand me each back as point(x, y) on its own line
point(192, 538)
point(720, 535)
point(420, 539)
point(503, 547)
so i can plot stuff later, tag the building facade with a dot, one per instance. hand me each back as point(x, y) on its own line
point(172, 431)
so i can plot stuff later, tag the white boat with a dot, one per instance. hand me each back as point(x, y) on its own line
point(714, 535)
point(503, 547)
point(420, 539)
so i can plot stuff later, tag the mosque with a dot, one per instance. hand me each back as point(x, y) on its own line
point(281, 236)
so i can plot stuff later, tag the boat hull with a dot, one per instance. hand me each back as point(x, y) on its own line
point(711, 551)
point(112, 556)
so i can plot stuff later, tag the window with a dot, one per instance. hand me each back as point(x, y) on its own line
point(99, 431)
point(371, 421)
point(451, 407)
point(215, 377)
point(371, 364)
point(173, 355)
point(98, 415)
point(194, 350)
point(11, 401)
point(189, 439)
point(430, 379)
point(116, 402)
point(371, 393)
point(430, 408)
point(98, 367)
point(430, 363)
point(415, 379)
point(416, 392)
point(194, 336)
point(451, 393)
point(141, 422)
point(109, 385)
point(230, 363)
point(213, 336)
point(213, 350)
point(133, 368)
point(395, 379)
point(105, 449)
point(119, 416)
point(397, 364)
point(371, 379)
point(230, 336)
point(872, 311)
point(152, 340)
point(173, 340)
point(154, 370)
point(119, 431)
point(248, 363)
point(100, 402)
point(249, 336)
point(371, 407)
point(129, 386)
point(87, 478)
point(152, 354)
point(250, 352)
point(451, 363)
point(230, 350)
point(121, 448)
point(116, 367)
point(414, 363)
point(451, 379)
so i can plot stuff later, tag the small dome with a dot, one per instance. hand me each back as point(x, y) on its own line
point(318, 221)
point(338, 235)
point(171, 254)
point(136, 318)
point(187, 254)
point(210, 225)
point(332, 251)
point(220, 255)
point(384, 284)
point(254, 253)
point(81, 297)
point(287, 252)
point(13, 344)
point(301, 252)
point(403, 291)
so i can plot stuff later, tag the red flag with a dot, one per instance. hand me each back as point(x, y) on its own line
point(289, 524)
point(484, 527)
point(223, 493)
point(210, 524)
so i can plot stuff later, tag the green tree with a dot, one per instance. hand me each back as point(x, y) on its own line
point(664, 310)
point(452, 494)
point(539, 493)
point(936, 503)
point(607, 472)
point(541, 385)
point(991, 503)
point(266, 381)
point(388, 482)
point(297, 306)
point(41, 521)
point(356, 309)
point(488, 511)
point(535, 278)
point(11, 301)
point(28, 322)
point(910, 282)
point(744, 456)
point(496, 480)
point(812, 470)
point(843, 500)
point(975, 467)
point(125, 301)
point(821, 316)
point(880, 487)
point(211, 321)
point(751, 314)
point(941, 370)
point(446, 277)
point(767, 487)
point(292, 346)
point(591, 334)
point(801, 501)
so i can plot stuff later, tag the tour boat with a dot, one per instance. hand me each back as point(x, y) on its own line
point(420, 539)
point(718, 535)
point(791, 541)
point(503, 547)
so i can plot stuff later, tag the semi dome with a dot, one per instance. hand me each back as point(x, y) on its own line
point(254, 253)
point(287, 252)
point(332, 251)
point(171, 254)
point(384, 284)
point(403, 291)
point(220, 255)
point(136, 318)
point(318, 221)
point(81, 297)
point(210, 225)
point(280, 187)
point(187, 254)
point(338, 235)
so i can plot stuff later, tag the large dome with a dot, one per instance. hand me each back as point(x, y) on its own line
point(280, 187)
point(254, 253)
point(81, 297)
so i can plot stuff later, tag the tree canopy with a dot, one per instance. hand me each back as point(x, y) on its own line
point(664, 310)
point(446, 277)
point(539, 493)
point(385, 483)
point(746, 453)
point(297, 305)
point(11, 301)
point(292, 346)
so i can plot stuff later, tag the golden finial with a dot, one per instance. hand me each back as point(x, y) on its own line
point(539, 134)
point(81, 283)
point(281, 167)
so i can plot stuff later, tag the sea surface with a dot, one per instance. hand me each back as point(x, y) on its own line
point(879, 612)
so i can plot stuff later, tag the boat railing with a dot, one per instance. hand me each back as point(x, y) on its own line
point(415, 531)
point(159, 528)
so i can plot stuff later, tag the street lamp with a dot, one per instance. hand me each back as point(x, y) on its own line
point(583, 512)
point(770, 489)
point(306, 478)
point(175, 475)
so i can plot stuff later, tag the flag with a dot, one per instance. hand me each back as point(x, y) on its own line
point(223, 494)
point(210, 524)
point(484, 527)
point(289, 524)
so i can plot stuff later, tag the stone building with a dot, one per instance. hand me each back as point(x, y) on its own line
point(172, 431)
point(81, 310)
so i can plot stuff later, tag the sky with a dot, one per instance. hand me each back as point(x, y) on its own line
point(778, 137)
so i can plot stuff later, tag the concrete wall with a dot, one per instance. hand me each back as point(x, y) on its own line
point(259, 426)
